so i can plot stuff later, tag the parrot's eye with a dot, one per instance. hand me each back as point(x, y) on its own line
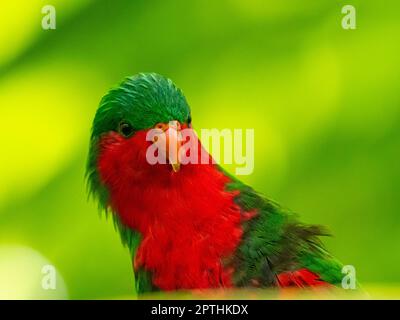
point(189, 121)
point(125, 129)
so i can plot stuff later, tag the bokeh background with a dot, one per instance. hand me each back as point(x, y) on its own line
point(324, 103)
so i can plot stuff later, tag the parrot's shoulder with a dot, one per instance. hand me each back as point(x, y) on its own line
point(274, 241)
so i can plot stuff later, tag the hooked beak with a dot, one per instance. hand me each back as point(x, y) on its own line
point(170, 147)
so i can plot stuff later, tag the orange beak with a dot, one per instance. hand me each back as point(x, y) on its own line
point(172, 142)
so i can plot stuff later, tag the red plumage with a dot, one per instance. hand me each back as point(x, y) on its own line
point(183, 249)
point(185, 234)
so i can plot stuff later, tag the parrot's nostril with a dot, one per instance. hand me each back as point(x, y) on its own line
point(165, 126)
point(162, 126)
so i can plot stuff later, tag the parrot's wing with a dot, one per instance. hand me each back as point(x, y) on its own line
point(277, 249)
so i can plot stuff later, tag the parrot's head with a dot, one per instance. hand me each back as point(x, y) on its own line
point(119, 139)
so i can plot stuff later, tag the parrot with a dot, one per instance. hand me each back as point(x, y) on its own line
point(192, 226)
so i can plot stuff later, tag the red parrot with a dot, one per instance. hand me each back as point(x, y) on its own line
point(191, 226)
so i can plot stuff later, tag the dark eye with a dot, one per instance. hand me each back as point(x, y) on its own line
point(189, 121)
point(125, 129)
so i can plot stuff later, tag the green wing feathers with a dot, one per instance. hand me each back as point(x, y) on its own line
point(275, 242)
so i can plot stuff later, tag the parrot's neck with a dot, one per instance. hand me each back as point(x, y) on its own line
point(188, 222)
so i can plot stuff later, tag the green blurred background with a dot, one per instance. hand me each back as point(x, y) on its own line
point(324, 103)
